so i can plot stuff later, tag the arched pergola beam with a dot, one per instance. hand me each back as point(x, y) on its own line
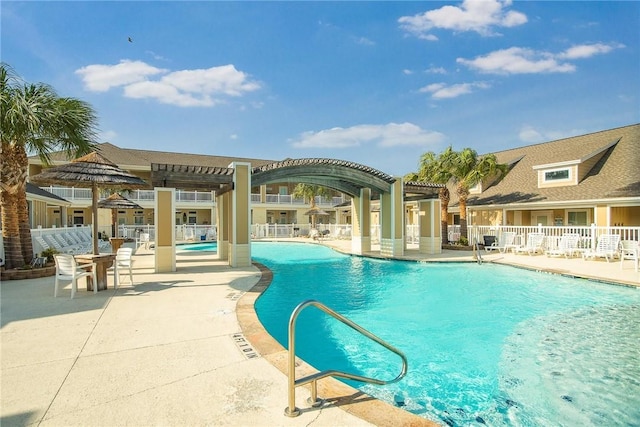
point(344, 176)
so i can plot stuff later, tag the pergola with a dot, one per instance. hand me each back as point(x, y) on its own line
point(232, 186)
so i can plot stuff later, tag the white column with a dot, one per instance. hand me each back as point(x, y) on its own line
point(165, 240)
point(392, 220)
point(361, 222)
point(240, 218)
point(430, 229)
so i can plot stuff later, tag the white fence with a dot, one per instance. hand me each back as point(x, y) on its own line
point(589, 234)
point(192, 232)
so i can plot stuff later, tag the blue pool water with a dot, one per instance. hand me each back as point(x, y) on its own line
point(486, 344)
point(199, 247)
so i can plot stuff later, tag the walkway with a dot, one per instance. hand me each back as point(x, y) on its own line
point(173, 350)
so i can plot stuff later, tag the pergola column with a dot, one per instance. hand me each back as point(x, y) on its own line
point(165, 230)
point(240, 216)
point(429, 225)
point(222, 223)
point(361, 222)
point(392, 221)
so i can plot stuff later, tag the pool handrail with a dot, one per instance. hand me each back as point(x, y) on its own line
point(291, 410)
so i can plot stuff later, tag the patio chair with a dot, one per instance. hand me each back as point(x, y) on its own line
point(566, 247)
point(505, 240)
point(211, 234)
point(607, 247)
point(122, 262)
point(143, 239)
point(67, 268)
point(533, 245)
point(629, 249)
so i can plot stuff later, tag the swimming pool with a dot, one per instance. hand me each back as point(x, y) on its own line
point(486, 344)
point(199, 247)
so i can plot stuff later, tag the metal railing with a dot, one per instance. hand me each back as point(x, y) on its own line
point(476, 250)
point(291, 410)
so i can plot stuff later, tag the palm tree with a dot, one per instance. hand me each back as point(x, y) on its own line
point(436, 169)
point(33, 119)
point(309, 192)
point(467, 170)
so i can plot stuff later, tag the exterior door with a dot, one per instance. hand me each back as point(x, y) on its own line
point(542, 218)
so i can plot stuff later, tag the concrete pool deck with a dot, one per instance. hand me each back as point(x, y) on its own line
point(181, 348)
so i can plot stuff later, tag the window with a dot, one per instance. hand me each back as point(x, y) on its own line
point(283, 190)
point(78, 217)
point(193, 217)
point(577, 218)
point(138, 217)
point(557, 175)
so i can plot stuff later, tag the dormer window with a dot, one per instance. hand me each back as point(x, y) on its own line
point(569, 172)
point(557, 175)
point(476, 189)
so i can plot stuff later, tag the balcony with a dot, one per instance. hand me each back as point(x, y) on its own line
point(83, 196)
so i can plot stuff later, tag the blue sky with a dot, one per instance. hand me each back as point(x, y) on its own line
point(378, 83)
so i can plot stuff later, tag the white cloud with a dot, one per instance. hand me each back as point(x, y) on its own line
point(407, 72)
point(436, 70)
point(155, 55)
point(185, 88)
point(517, 60)
point(389, 135)
point(101, 78)
point(531, 135)
point(442, 91)
point(364, 41)
point(166, 94)
point(588, 50)
point(108, 136)
point(480, 16)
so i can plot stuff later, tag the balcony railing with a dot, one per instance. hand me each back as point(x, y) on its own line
point(83, 195)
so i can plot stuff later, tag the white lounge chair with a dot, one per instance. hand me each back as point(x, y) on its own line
point(566, 247)
point(607, 247)
point(629, 249)
point(505, 240)
point(67, 268)
point(534, 244)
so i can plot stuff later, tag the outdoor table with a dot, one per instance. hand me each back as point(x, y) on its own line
point(103, 262)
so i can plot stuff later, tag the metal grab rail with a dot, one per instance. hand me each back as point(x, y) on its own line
point(291, 410)
point(476, 248)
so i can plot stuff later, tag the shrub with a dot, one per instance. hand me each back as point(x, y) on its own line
point(48, 253)
point(463, 241)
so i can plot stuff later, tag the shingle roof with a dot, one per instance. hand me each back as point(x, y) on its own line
point(616, 174)
point(133, 159)
point(37, 191)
